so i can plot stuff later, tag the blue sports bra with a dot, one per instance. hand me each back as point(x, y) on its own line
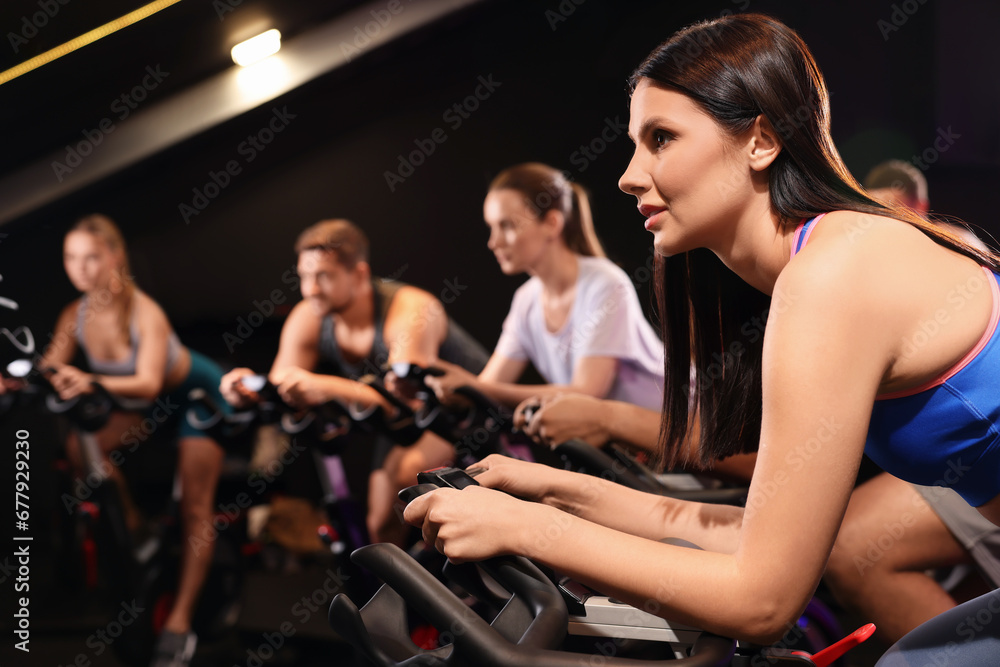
point(125, 366)
point(944, 432)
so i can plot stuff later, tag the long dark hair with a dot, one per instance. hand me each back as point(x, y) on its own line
point(546, 189)
point(738, 68)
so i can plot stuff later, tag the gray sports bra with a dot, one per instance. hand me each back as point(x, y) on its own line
point(124, 366)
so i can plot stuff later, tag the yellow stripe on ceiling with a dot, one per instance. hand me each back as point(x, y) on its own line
point(86, 38)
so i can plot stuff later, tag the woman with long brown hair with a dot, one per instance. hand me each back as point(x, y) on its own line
point(757, 218)
point(577, 318)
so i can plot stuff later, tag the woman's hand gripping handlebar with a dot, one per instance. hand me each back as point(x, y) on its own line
point(529, 626)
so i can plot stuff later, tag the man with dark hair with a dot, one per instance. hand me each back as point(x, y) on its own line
point(354, 324)
point(898, 181)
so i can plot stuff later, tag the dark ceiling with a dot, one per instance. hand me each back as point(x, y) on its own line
point(43, 110)
point(562, 64)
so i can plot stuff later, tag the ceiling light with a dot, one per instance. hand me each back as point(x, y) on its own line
point(257, 48)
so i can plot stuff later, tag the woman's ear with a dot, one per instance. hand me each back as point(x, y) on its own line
point(554, 220)
point(763, 144)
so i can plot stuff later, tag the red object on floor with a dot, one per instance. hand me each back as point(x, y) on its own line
point(425, 636)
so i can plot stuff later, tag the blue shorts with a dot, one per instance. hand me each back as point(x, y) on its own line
point(204, 374)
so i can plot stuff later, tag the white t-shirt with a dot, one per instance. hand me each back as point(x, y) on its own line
point(606, 320)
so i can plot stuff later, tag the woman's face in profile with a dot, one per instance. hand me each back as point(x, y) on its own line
point(685, 172)
point(518, 237)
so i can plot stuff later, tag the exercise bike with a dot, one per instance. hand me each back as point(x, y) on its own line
point(534, 616)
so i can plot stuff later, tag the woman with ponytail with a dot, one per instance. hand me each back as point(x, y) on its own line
point(133, 352)
point(577, 319)
point(802, 319)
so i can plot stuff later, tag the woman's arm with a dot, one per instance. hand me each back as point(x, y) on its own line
point(593, 376)
point(63, 346)
point(596, 421)
point(501, 369)
point(565, 416)
point(821, 373)
point(615, 506)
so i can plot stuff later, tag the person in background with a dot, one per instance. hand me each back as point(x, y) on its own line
point(133, 352)
point(895, 535)
point(751, 206)
point(577, 319)
point(353, 324)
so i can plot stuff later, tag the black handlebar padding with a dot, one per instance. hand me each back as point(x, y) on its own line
point(478, 398)
point(380, 631)
point(593, 458)
point(411, 492)
point(538, 594)
point(474, 641)
point(470, 578)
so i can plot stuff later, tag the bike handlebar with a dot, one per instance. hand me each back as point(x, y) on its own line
point(89, 411)
point(379, 630)
point(531, 623)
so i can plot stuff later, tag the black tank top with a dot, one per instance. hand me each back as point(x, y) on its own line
point(458, 347)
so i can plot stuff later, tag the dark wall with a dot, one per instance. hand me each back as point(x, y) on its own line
point(556, 84)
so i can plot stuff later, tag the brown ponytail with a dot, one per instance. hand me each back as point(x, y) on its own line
point(545, 189)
